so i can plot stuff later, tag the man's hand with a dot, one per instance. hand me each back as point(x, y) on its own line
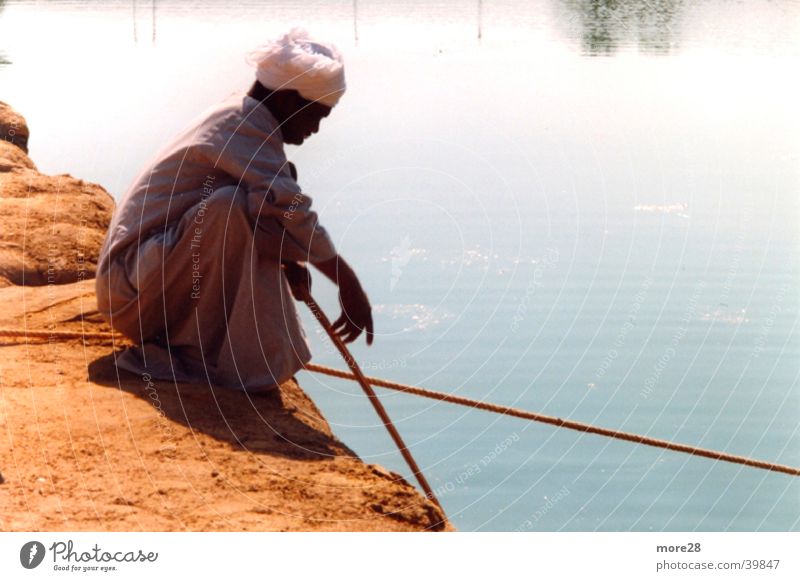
point(356, 311)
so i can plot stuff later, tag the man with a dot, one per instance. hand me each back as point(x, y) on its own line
point(192, 268)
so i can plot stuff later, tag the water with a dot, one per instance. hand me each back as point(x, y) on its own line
point(580, 208)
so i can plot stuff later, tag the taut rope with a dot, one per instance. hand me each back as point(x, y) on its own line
point(569, 424)
point(455, 399)
point(53, 335)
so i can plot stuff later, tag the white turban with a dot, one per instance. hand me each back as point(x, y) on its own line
point(295, 61)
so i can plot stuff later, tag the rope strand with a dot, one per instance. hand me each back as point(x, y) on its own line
point(561, 423)
point(489, 407)
point(51, 335)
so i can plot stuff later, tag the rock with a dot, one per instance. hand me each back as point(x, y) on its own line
point(53, 226)
point(13, 128)
point(13, 158)
point(304, 479)
point(379, 470)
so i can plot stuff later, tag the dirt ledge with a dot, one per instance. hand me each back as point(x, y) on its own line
point(85, 446)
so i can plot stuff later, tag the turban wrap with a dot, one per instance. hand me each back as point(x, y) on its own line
point(295, 61)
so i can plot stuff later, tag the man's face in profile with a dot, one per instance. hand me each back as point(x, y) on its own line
point(302, 119)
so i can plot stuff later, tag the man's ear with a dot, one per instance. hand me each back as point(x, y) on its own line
point(283, 104)
point(300, 102)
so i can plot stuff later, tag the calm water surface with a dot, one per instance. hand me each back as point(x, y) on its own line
point(575, 207)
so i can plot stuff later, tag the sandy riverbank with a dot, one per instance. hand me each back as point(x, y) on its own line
point(85, 446)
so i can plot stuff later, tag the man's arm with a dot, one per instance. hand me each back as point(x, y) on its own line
point(356, 310)
point(248, 152)
point(256, 158)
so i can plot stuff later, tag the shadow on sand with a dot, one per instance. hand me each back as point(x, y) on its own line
point(283, 423)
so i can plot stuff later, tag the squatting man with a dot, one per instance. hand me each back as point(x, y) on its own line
point(207, 247)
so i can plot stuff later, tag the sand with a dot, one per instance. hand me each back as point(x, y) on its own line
point(84, 446)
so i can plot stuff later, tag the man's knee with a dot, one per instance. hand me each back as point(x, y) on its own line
point(224, 209)
point(219, 221)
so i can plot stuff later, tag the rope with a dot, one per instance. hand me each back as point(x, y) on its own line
point(358, 375)
point(51, 335)
point(561, 423)
point(489, 407)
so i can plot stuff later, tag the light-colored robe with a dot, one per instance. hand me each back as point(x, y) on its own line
point(190, 267)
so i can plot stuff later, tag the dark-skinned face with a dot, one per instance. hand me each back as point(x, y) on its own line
point(298, 117)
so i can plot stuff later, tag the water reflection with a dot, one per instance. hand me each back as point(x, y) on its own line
point(149, 10)
point(3, 59)
point(607, 25)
